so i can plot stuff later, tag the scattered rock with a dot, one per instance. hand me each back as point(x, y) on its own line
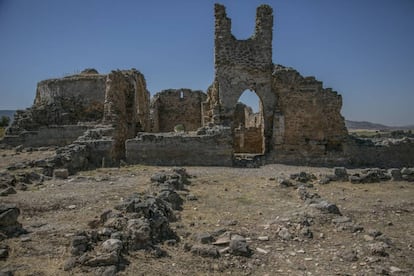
point(379, 249)
point(205, 251)
point(7, 191)
point(204, 238)
point(260, 250)
point(349, 256)
point(191, 197)
point(80, 244)
point(9, 225)
point(61, 173)
point(284, 183)
point(239, 247)
point(395, 174)
point(284, 234)
point(112, 245)
point(341, 173)
point(303, 177)
point(159, 177)
point(341, 219)
point(326, 207)
point(306, 232)
point(394, 269)
point(69, 264)
point(4, 252)
point(324, 180)
point(110, 271)
point(374, 233)
point(104, 259)
point(172, 197)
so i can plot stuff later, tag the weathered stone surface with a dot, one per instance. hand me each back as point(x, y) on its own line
point(298, 122)
point(126, 107)
point(204, 238)
point(379, 248)
point(284, 233)
point(104, 259)
point(366, 153)
point(7, 191)
point(205, 251)
point(317, 127)
point(176, 107)
point(326, 207)
point(9, 225)
point(183, 149)
point(239, 248)
point(112, 245)
point(64, 101)
point(341, 173)
point(61, 173)
point(241, 65)
point(395, 174)
point(4, 252)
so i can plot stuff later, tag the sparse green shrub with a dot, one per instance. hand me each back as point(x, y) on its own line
point(179, 128)
point(4, 121)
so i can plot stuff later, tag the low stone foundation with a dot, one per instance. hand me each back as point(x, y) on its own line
point(389, 153)
point(170, 149)
point(47, 136)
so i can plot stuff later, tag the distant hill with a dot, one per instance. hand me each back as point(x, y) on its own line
point(8, 113)
point(373, 126)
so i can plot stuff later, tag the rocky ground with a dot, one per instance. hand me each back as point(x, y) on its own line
point(273, 220)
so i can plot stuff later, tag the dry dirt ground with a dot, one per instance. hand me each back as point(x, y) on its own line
point(248, 202)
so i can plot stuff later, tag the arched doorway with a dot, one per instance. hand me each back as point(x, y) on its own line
point(248, 125)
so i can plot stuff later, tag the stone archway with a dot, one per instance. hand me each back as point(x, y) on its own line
point(241, 65)
point(247, 130)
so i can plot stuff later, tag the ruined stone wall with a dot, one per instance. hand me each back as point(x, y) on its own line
point(241, 65)
point(248, 140)
point(183, 149)
point(126, 107)
point(87, 99)
point(308, 118)
point(240, 113)
point(85, 87)
point(47, 136)
point(177, 106)
point(390, 153)
point(64, 101)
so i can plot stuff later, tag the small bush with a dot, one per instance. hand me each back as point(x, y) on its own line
point(179, 128)
point(4, 121)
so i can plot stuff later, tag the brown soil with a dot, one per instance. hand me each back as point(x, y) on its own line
point(248, 202)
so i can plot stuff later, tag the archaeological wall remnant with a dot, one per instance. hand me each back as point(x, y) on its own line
point(308, 122)
point(64, 101)
point(241, 65)
point(65, 108)
point(211, 148)
point(300, 118)
point(174, 107)
point(126, 107)
point(110, 118)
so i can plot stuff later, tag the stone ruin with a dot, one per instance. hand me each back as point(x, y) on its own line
point(103, 120)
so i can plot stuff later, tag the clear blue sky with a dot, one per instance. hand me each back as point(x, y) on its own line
point(364, 49)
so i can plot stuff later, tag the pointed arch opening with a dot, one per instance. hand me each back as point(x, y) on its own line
point(248, 124)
